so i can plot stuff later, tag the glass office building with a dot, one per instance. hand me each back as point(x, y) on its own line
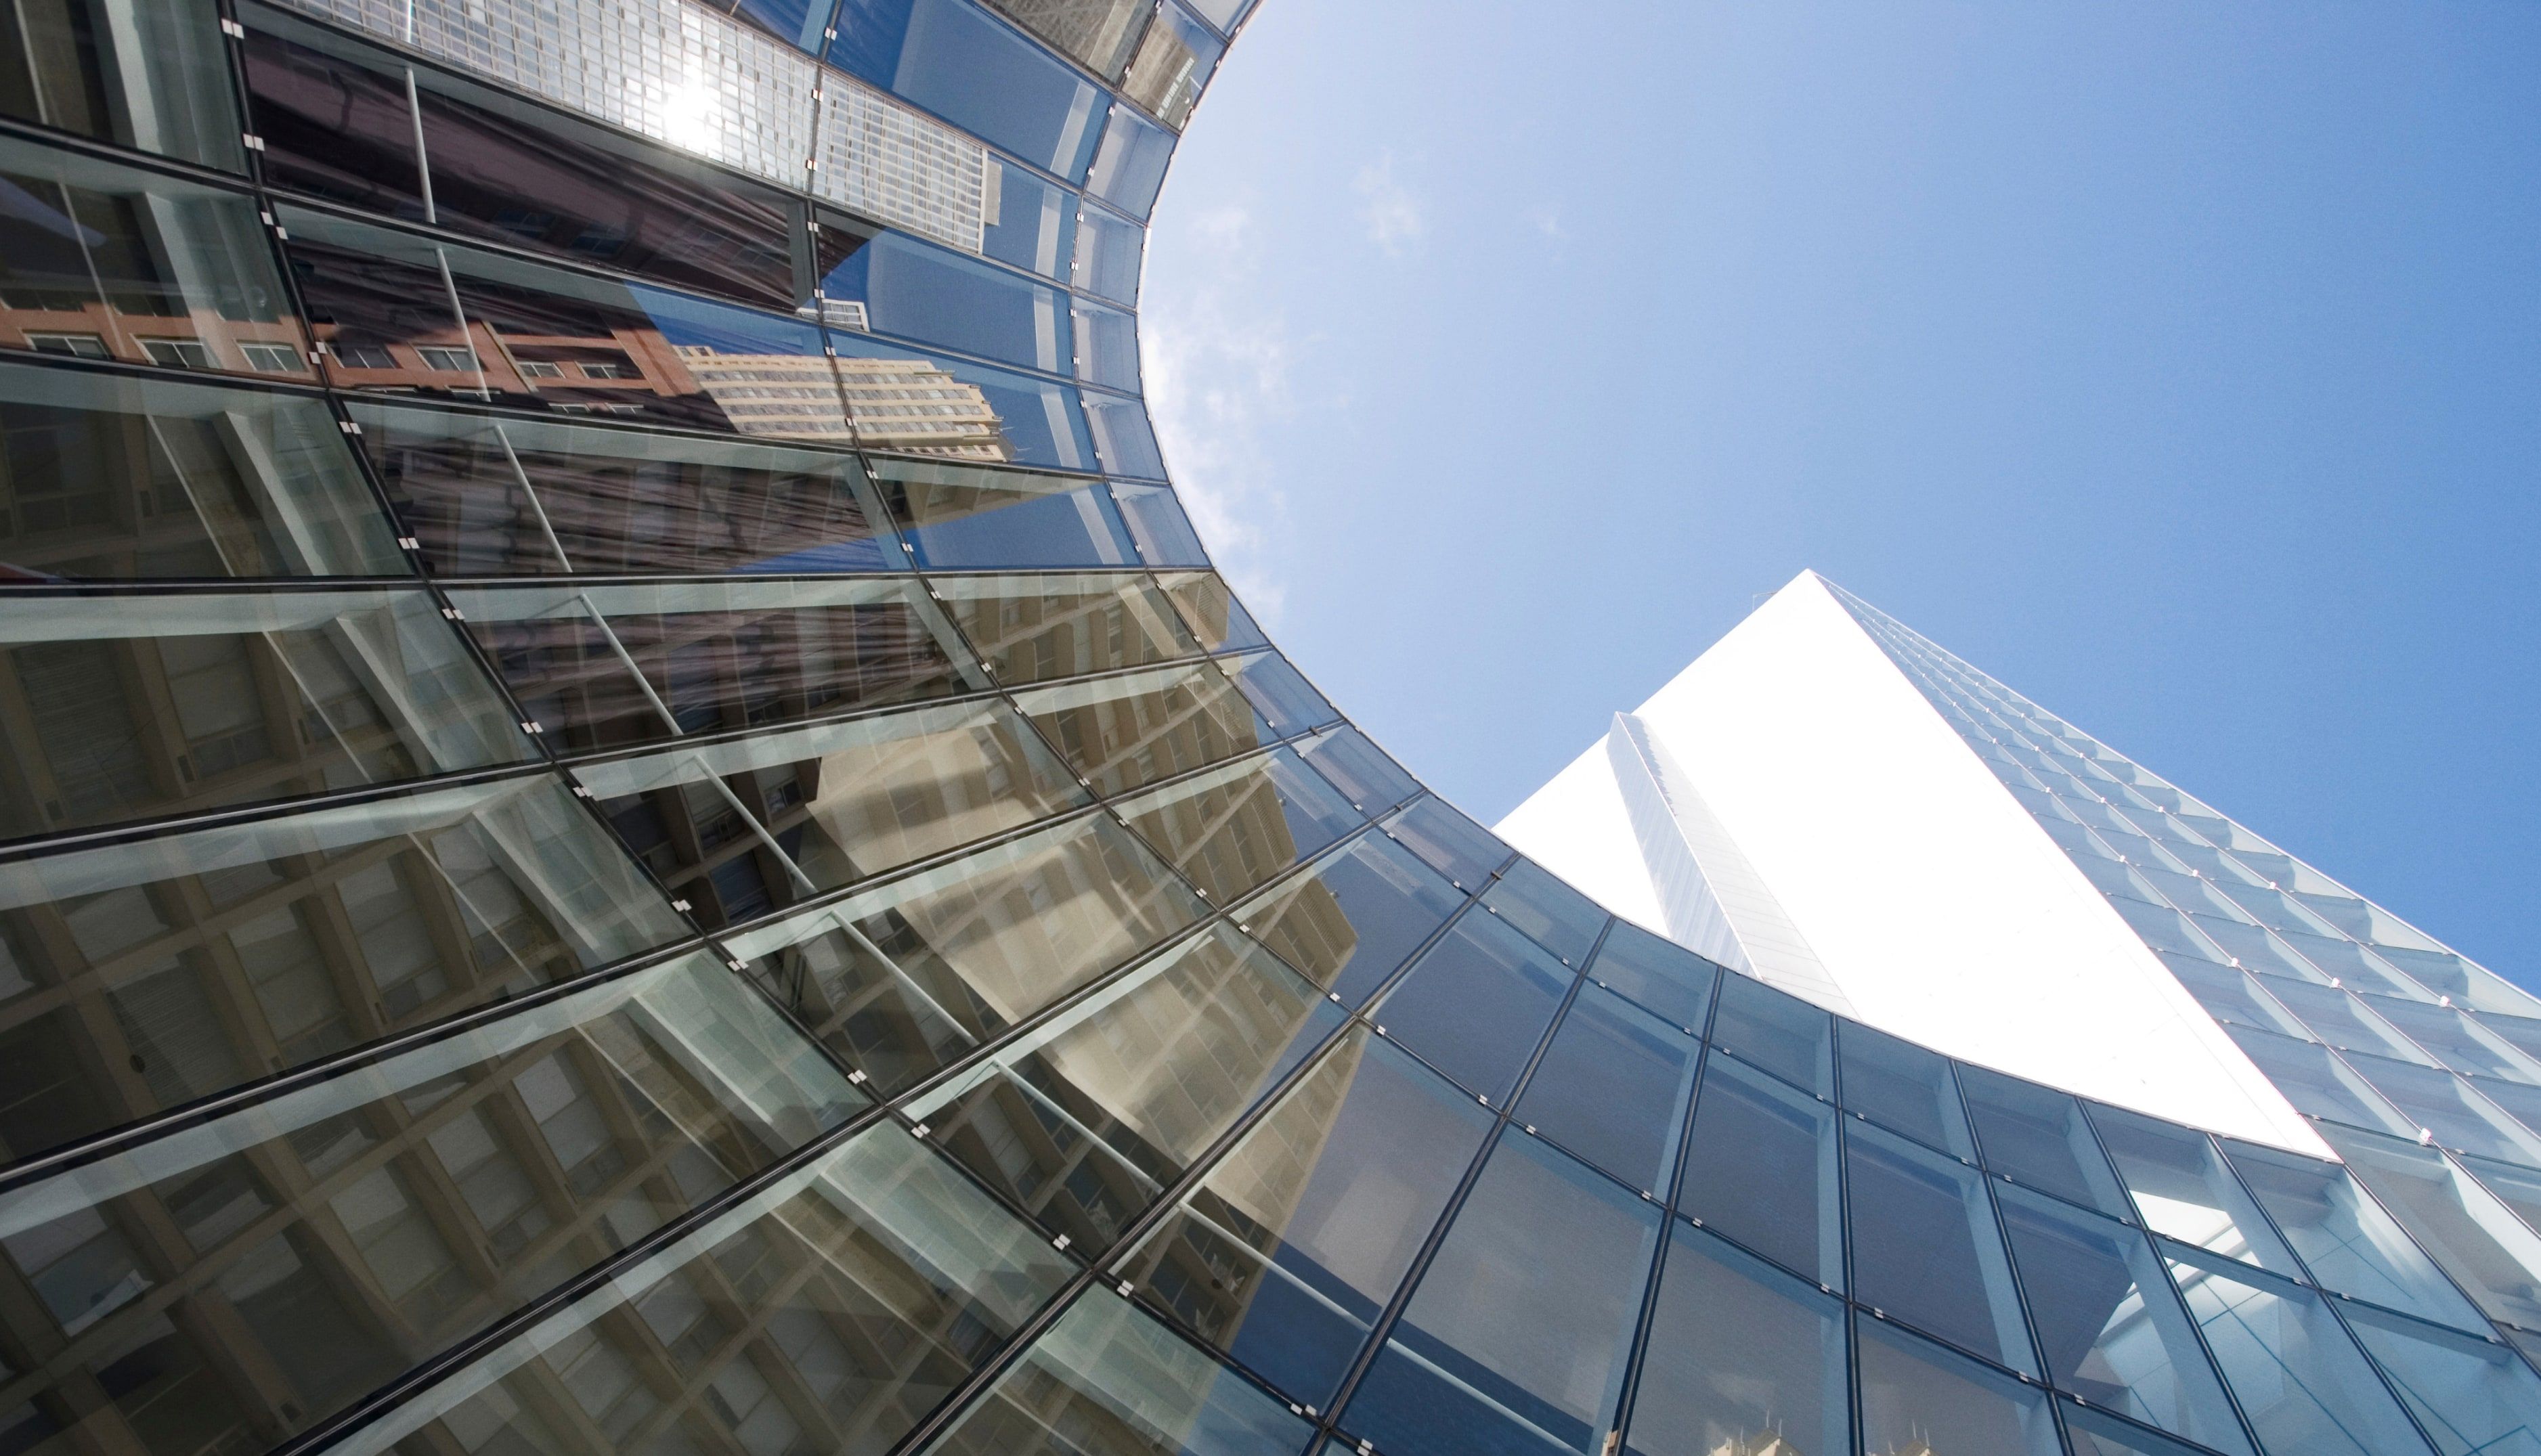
point(632, 821)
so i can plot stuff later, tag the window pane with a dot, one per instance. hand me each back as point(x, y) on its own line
point(1459, 848)
point(1125, 732)
point(1033, 224)
point(1781, 1034)
point(1280, 693)
point(2444, 1105)
point(1552, 913)
point(1299, 1236)
point(1351, 920)
point(1032, 629)
point(1761, 1170)
point(1108, 1379)
point(1477, 1005)
point(1132, 165)
point(1740, 1354)
point(964, 516)
point(974, 72)
point(144, 705)
point(2485, 1248)
point(1613, 1088)
point(2316, 1082)
point(2096, 1434)
point(2471, 1395)
point(1108, 254)
point(160, 84)
point(1359, 769)
point(2342, 1020)
point(2039, 1136)
point(1924, 1248)
point(2105, 1316)
point(1900, 1085)
point(1157, 519)
point(1214, 616)
point(1233, 827)
point(1516, 1341)
point(1107, 347)
point(2182, 1188)
point(1666, 977)
point(2346, 1239)
point(2300, 1382)
point(1918, 1398)
point(980, 413)
point(937, 297)
point(1173, 64)
point(870, 1281)
point(112, 477)
point(341, 1232)
point(531, 497)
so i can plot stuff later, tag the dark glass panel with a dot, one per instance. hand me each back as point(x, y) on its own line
point(2182, 1188)
point(2476, 1240)
point(1349, 920)
point(715, 656)
point(142, 75)
point(1359, 769)
point(1924, 1248)
point(1900, 1085)
point(1459, 848)
point(1515, 1342)
point(2039, 1137)
point(1157, 520)
point(1132, 165)
point(954, 60)
point(1780, 1033)
point(121, 708)
point(1740, 1356)
point(1613, 1088)
point(1475, 1005)
point(1761, 1170)
point(828, 806)
point(1097, 32)
point(1125, 732)
point(1109, 250)
point(1552, 913)
point(1086, 1120)
point(926, 293)
point(953, 517)
point(1920, 1400)
point(146, 974)
point(1126, 442)
point(2303, 1386)
point(490, 496)
point(1213, 615)
point(2470, 1394)
point(1232, 828)
point(1032, 224)
point(340, 123)
point(103, 261)
point(1173, 64)
point(1664, 976)
point(1032, 628)
point(2346, 1239)
point(830, 1311)
point(906, 977)
point(918, 403)
point(263, 1270)
point(103, 475)
point(1296, 1239)
point(1109, 1381)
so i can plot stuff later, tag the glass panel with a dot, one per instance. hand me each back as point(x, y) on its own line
point(1459, 848)
point(1740, 1356)
point(1613, 1088)
point(963, 516)
point(1126, 443)
point(1666, 977)
point(1098, 34)
point(1223, 14)
point(125, 706)
point(1107, 1381)
point(978, 413)
point(1173, 63)
point(1109, 250)
point(2303, 1386)
point(1516, 1341)
point(1132, 165)
point(1280, 693)
point(1232, 828)
point(983, 78)
point(1031, 223)
point(2342, 1020)
point(1032, 629)
point(1157, 519)
point(907, 976)
point(1920, 1400)
point(1294, 1244)
point(145, 974)
point(1924, 1248)
point(339, 1233)
point(2107, 1320)
point(2235, 995)
point(531, 497)
point(2522, 1103)
point(827, 806)
point(1761, 1170)
point(2485, 1248)
point(2444, 1104)
point(111, 262)
point(1781, 1034)
point(1359, 769)
point(1902, 1087)
point(898, 285)
point(2183, 1189)
point(1086, 1120)
point(828, 1311)
point(2347, 1240)
point(2039, 1136)
point(2473, 1396)
point(1477, 1005)
point(1107, 347)
point(140, 74)
point(106, 477)
point(1555, 916)
point(1351, 920)
point(2461, 1043)
point(2316, 1082)
point(1123, 733)
point(1214, 615)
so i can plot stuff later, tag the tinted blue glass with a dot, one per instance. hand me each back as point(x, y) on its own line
point(1281, 694)
point(1516, 1341)
point(2182, 1188)
point(1552, 913)
point(1460, 849)
point(797, 23)
point(2476, 1239)
point(1475, 1005)
point(1108, 254)
point(1903, 1086)
point(2344, 1238)
point(2039, 1136)
point(1349, 920)
point(1762, 1169)
point(2303, 1386)
point(951, 58)
point(1124, 438)
point(1001, 417)
point(1613, 1087)
point(1361, 769)
point(953, 516)
point(1781, 1034)
point(1668, 978)
point(1132, 165)
point(1234, 827)
point(2108, 1324)
point(2470, 1395)
point(926, 293)
point(1217, 618)
point(1035, 226)
point(1740, 1354)
point(1164, 533)
point(1924, 1248)
point(1920, 1400)
point(2098, 1434)
point(1107, 347)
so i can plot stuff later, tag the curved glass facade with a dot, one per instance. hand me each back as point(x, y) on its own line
point(632, 821)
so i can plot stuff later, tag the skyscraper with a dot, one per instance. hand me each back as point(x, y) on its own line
point(631, 820)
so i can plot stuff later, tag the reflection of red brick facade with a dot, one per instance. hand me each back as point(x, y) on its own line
point(201, 339)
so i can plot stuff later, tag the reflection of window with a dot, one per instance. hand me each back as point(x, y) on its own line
point(447, 359)
point(80, 345)
point(365, 356)
point(601, 369)
point(272, 358)
point(179, 353)
point(541, 369)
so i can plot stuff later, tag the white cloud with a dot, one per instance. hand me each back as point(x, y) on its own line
point(1393, 216)
point(1547, 222)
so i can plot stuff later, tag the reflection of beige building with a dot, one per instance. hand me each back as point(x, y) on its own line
point(913, 406)
point(786, 396)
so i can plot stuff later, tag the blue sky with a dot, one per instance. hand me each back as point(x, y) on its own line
point(2178, 364)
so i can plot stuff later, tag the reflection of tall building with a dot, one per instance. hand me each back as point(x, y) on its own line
point(782, 395)
point(916, 408)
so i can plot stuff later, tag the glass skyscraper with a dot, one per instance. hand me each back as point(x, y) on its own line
point(631, 820)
